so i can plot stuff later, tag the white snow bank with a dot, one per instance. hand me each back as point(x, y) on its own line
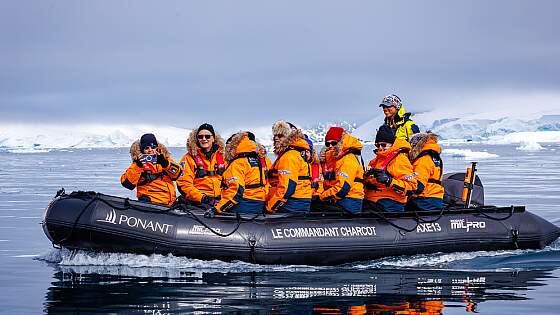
point(43, 136)
point(27, 151)
point(468, 154)
point(522, 137)
point(530, 146)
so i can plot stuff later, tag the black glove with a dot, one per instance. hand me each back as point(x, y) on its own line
point(315, 199)
point(383, 177)
point(210, 213)
point(138, 163)
point(161, 160)
point(209, 200)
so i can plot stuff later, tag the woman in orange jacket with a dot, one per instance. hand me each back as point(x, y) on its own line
point(342, 171)
point(203, 166)
point(244, 182)
point(290, 174)
point(389, 176)
point(152, 171)
point(427, 163)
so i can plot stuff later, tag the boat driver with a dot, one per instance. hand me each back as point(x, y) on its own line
point(397, 118)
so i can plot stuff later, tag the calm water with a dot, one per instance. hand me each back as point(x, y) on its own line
point(36, 278)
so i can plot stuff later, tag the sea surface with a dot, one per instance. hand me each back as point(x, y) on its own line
point(37, 278)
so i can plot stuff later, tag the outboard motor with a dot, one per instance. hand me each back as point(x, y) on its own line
point(453, 185)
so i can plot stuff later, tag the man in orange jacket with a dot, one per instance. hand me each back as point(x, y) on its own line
point(244, 182)
point(290, 175)
point(342, 172)
point(390, 176)
point(152, 171)
point(427, 163)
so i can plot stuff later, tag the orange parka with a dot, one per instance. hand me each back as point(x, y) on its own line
point(342, 171)
point(244, 182)
point(290, 176)
point(428, 166)
point(204, 177)
point(399, 168)
point(156, 184)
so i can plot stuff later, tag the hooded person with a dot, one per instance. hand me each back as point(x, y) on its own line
point(152, 171)
point(244, 182)
point(390, 176)
point(203, 166)
point(397, 118)
point(427, 163)
point(316, 174)
point(342, 171)
point(290, 174)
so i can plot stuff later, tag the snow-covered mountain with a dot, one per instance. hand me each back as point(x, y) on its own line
point(495, 128)
point(492, 127)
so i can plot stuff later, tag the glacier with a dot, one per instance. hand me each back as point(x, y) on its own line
point(525, 129)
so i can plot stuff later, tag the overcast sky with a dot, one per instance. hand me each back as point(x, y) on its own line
point(252, 62)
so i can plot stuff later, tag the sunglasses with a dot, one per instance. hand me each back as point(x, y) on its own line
point(382, 144)
point(150, 146)
point(200, 137)
point(278, 136)
point(331, 143)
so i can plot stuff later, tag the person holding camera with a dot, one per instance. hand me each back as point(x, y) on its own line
point(152, 171)
point(203, 166)
point(389, 177)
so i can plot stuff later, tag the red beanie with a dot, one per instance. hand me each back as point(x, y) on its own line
point(334, 133)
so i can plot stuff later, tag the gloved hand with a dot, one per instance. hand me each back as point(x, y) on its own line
point(315, 199)
point(210, 213)
point(138, 163)
point(383, 177)
point(208, 200)
point(161, 160)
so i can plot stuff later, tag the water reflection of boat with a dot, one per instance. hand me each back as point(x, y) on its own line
point(106, 223)
point(79, 289)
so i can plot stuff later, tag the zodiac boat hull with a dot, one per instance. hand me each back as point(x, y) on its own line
point(99, 222)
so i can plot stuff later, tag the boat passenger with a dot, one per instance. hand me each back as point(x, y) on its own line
point(243, 183)
point(342, 171)
point(152, 171)
point(427, 164)
point(389, 176)
point(203, 166)
point(397, 118)
point(290, 174)
point(316, 175)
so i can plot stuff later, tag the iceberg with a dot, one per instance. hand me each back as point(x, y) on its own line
point(468, 154)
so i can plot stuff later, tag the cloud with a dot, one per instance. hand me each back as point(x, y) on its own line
point(239, 62)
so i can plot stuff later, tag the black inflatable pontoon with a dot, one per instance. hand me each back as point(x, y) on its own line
point(93, 221)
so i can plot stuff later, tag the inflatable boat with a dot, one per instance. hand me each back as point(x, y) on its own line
point(94, 221)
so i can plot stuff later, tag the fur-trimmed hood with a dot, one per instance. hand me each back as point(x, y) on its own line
point(240, 143)
point(281, 127)
point(293, 139)
point(423, 141)
point(136, 153)
point(192, 147)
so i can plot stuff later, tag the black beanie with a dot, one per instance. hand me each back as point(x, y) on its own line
point(208, 127)
point(146, 140)
point(251, 136)
point(385, 134)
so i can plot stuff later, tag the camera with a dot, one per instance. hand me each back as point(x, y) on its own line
point(152, 158)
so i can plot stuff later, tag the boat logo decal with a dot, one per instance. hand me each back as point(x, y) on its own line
point(335, 231)
point(428, 228)
point(111, 217)
point(458, 224)
point(201, 230)
point(135, 222)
